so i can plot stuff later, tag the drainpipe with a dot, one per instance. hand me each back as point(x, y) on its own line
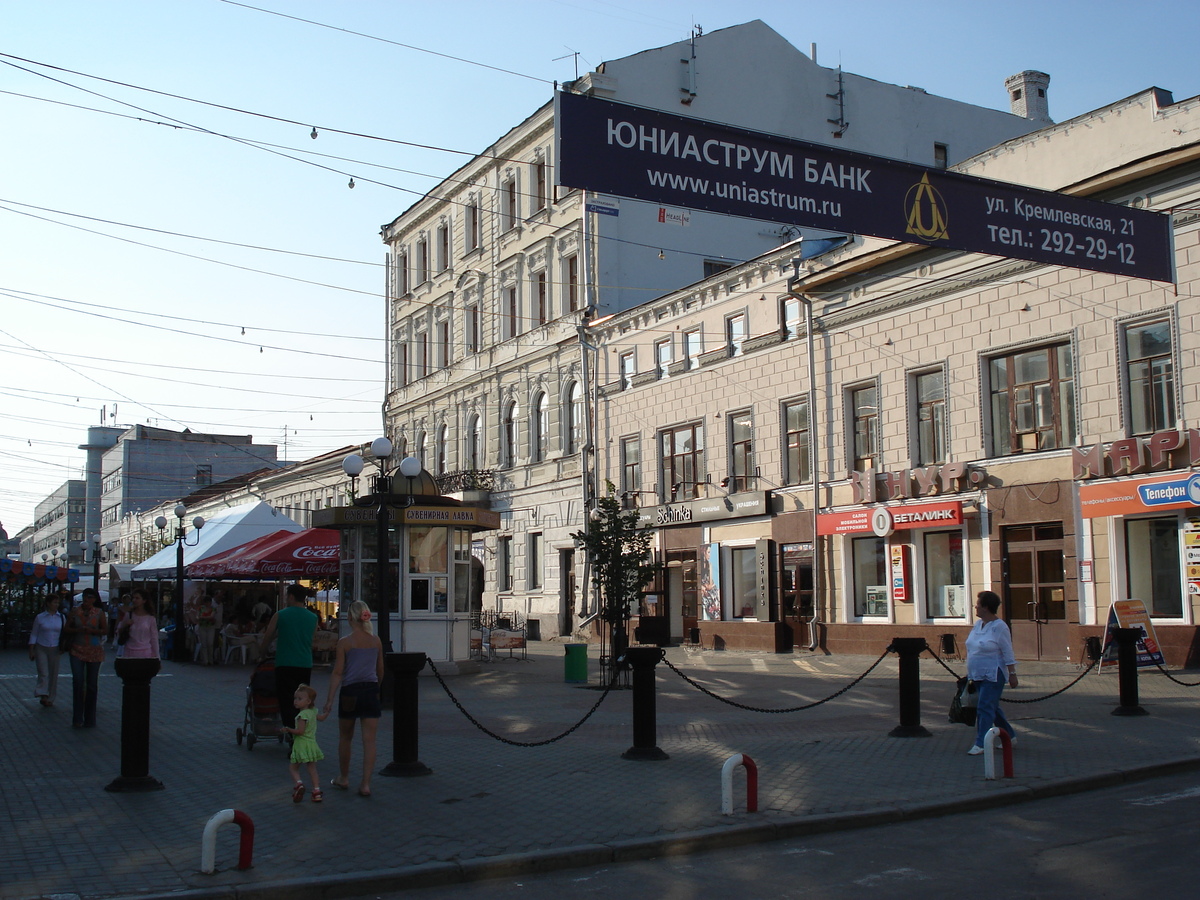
point(814, 447)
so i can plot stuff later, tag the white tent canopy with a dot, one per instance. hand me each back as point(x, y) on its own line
point(232, 527)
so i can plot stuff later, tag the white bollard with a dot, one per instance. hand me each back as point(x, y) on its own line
point(208, 843)
point(739, 759)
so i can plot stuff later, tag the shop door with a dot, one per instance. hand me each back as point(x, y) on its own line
point(1035, 590)
point(566, 591)
point(796, 597)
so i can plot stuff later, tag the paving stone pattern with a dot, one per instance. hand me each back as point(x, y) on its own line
point(531, 806)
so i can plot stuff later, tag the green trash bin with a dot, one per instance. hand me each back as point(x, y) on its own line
point(575, 664)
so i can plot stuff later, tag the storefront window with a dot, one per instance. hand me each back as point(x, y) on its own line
point(870, 576)
point(427, 548)
point(743, 581)
point(1152, 552)
point(945, 592)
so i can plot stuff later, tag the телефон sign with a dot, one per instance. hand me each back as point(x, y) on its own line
point(676, 161)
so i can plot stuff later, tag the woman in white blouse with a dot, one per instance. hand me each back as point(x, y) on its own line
point(43, 650)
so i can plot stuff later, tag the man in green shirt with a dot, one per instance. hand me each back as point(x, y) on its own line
point(294, 626)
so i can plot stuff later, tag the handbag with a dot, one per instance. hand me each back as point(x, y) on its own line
point(966, 698)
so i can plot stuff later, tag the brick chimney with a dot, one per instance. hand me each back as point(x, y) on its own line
point(1027, 96)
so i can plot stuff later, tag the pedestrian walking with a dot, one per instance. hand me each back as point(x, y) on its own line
point(140, 627)
point(357, 672)
point(305, 750)
point(989, 654)
point(44, 641)
point(87, 627)
point(294, 627)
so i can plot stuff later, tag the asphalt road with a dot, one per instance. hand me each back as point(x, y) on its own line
point(1134, 841)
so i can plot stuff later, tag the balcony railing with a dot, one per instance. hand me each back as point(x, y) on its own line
point(467, 480)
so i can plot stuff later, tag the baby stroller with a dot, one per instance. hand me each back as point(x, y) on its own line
point(262, 707)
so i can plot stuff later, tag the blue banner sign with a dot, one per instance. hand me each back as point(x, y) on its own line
point(672, 160)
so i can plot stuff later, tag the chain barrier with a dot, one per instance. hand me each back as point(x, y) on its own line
point(1091, 666)
point(510, 741)
point(1176, 680)
point(790, 709)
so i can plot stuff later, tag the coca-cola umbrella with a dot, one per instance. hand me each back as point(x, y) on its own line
point(312, 553)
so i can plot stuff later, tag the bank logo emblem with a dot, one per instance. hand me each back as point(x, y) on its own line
point(927, 215)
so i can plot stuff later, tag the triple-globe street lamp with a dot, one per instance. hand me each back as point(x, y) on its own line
point(179, 647)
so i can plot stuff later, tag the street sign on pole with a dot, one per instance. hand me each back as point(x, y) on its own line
point(671, 160)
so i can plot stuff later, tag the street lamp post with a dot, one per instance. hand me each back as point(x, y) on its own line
point(180, 645)
point(381, 489)
point(95, 549)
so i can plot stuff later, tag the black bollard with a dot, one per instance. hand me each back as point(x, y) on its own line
point(909, 651)
point(406, 725)
point(135, 676)
point(1127, 673)
point(645, 726)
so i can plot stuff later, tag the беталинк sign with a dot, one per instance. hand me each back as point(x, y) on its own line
point(672, 160)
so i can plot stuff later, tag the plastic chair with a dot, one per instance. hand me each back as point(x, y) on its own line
point(236, 642)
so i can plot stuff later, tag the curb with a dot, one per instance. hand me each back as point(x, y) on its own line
point(441, 874)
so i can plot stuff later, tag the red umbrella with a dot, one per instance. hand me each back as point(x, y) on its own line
point(312, 553)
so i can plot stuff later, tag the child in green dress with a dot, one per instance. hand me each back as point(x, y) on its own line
point(304, 743)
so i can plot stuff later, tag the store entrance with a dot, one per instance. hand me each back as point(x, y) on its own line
point(1035, 590)
point(796, 595)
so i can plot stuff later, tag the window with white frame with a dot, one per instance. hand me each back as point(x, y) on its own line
point(540, 436)
point(540, 182)
point(575, 418)
point(693, 347)
point(626, 368)
point(791, 317)
point(541, 300)
point(422, 272)
point(1150, 376)
point(571, 277)
point(631, 465)
point(443, 247)
point(512, 312)
point(472, 231)
point(735, 333)
point(797, 462)
point(863, 409)
point(869, 571)
point(928, 393)
point(1153, 564)
point(1032, 396)
point(401, 273)
point(743, 582)
point(662, 357)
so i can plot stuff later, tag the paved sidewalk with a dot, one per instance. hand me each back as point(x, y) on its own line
point(491, 808)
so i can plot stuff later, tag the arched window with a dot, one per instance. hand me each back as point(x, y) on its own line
point(508, 436)
point(541, 426)
point(442, 440)
point(474, 442)
point(574, 418)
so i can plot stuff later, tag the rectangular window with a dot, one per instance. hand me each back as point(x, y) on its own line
point(790, 317)
point(540, 298)
point(533, 574)
point(471, 229)
point(422, 261)
point(662, 357)
point(693, 346)
point(1152, 557)
point(929, 395)
point(945, 588)
point(1151, 372)
point(743, 582)
point(512, 310)
point(401, 274)
point(1032, 400)
point(203, 475)
point(682, 453)
point(508, 199)
point(713, 267)
point(401, 363)
point(422, 360)
point(941, 156)
point(572, 279)
point(444, 354)
point(472, 326)
point(864, 411)
point(795, 428)
point(504, 563)
point(627, 369)
point(735, 333)
point(869, 560)
point(741, 451)
point(631, 466)
point(443, 247)
point(539, 185)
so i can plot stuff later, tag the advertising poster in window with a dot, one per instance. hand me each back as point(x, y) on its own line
point(1131, 614)
point(1191, 552)
point(710, 579)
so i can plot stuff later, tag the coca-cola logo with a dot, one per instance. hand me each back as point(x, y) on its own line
point(315, 553)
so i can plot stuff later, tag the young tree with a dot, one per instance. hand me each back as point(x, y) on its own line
point(619, 551)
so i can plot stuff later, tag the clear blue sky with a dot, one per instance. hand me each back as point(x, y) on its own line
point(150, 319)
